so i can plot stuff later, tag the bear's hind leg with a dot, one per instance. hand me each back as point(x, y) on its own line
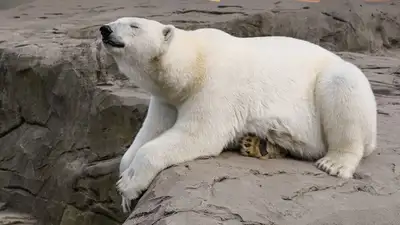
point(347, 108)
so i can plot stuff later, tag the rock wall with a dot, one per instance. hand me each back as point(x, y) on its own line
point(67, 116)
point(62, 132)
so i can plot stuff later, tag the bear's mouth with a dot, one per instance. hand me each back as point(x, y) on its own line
point(113, 43)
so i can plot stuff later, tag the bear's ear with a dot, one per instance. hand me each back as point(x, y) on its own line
point(168, 33)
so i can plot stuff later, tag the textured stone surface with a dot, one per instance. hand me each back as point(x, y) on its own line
point(61, 148)
point(12, 218)
point(67, 116)
point(340, 25)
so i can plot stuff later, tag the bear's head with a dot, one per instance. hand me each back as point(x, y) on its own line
point(135, 43)
point(140, 38)
point(159, 58)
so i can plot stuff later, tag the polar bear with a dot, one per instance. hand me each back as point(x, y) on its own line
point(208, 88)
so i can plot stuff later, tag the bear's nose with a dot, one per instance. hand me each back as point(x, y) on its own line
point(105, 31)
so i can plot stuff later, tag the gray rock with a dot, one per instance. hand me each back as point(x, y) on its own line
point(9, 217)
point(336, 25)
point(67, 115)
point(62, 153)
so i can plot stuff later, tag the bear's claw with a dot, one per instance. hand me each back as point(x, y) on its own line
point(334, 167)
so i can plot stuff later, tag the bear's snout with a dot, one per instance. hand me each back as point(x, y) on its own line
point(109, 39)
point(105, 31)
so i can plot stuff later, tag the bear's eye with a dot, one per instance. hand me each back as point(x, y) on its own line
point(134, 26)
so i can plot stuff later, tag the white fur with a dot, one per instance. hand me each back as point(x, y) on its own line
point(209, 87)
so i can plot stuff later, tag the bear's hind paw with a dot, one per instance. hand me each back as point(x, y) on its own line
point(249, 146)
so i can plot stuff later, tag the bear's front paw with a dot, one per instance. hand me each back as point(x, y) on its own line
point(133, 183)
point(128, 187)
point(126, 205)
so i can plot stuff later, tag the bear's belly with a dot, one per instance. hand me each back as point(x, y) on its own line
point(299, 131)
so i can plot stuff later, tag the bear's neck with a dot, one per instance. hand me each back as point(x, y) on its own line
point(180, 72)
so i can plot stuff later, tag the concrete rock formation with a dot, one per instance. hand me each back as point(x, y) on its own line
point(67, 115)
